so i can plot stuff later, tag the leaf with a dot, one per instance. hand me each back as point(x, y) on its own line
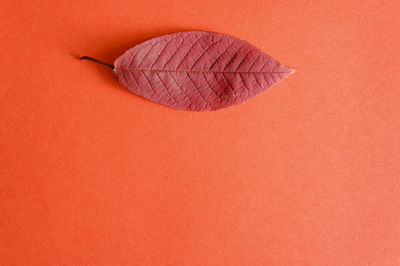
point(197, 71)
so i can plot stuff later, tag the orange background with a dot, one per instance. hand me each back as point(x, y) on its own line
point(307, 173)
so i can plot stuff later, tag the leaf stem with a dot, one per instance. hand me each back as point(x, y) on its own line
point(97, 61)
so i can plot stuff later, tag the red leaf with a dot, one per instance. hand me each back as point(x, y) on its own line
point(198, 71)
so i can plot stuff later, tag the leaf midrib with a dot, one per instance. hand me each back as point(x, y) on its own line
point(201, 71)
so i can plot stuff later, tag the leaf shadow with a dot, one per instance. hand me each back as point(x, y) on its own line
point(114, 46)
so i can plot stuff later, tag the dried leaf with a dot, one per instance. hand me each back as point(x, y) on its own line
point(197, 71)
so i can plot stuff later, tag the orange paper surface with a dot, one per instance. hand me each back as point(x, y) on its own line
point(307, 173)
